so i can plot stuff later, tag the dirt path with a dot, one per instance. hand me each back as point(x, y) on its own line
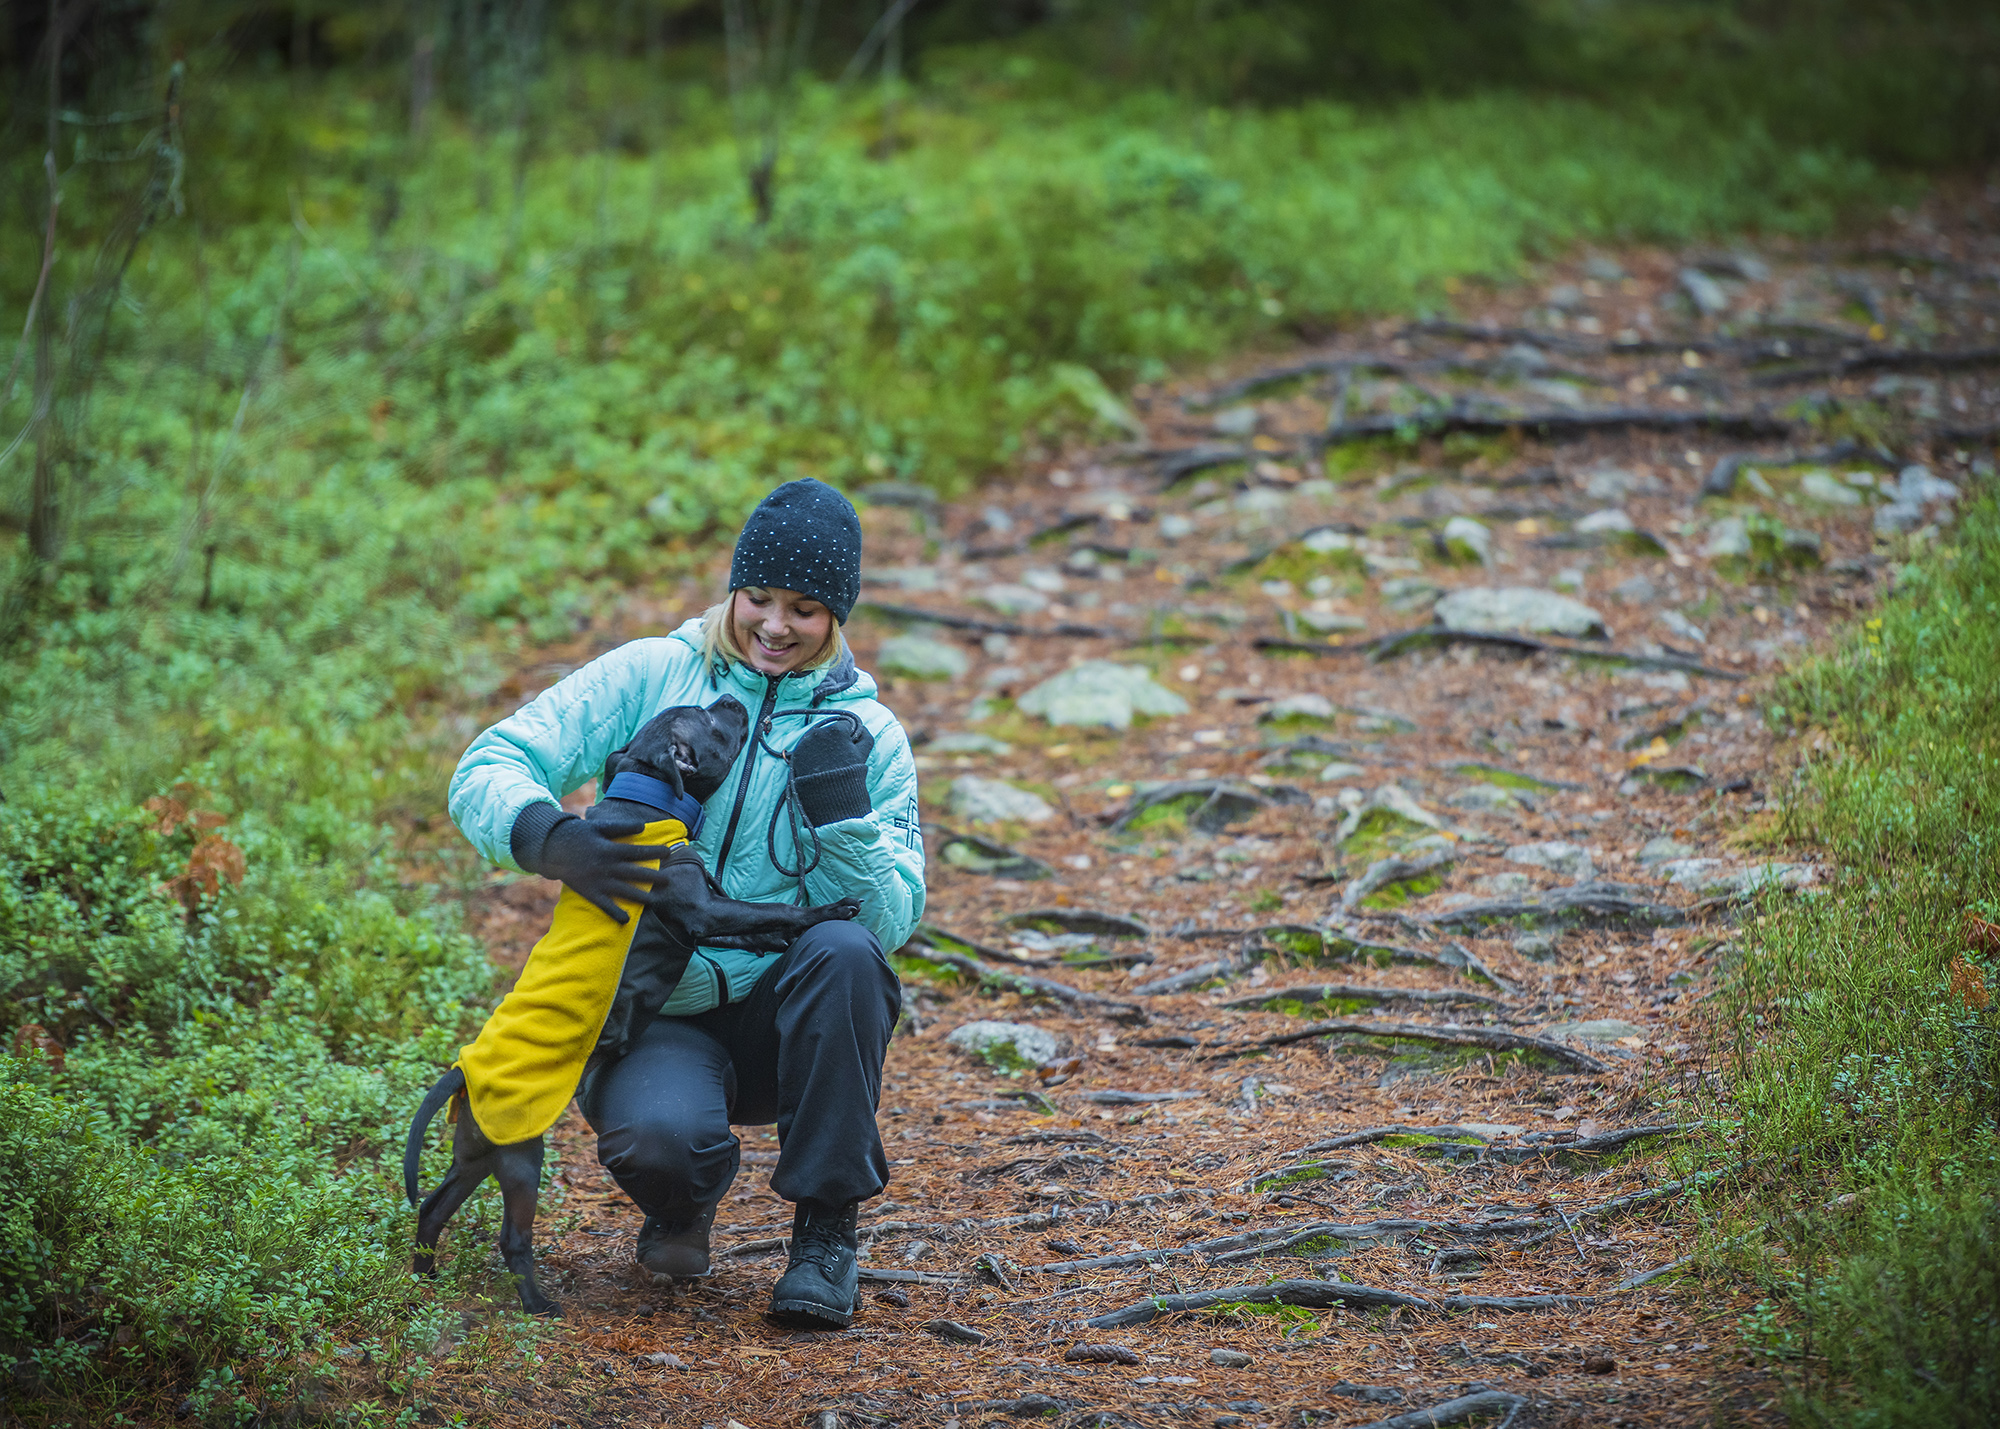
point(1582, 829)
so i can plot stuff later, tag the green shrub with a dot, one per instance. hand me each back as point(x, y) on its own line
point(1868, 1056)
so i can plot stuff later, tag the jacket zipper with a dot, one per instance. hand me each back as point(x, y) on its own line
point(761, 727)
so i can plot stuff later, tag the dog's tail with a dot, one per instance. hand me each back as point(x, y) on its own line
point(448, 1086)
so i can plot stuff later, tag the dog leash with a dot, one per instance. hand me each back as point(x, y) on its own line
point(790, 809)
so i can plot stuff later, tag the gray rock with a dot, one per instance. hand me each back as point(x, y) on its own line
point(1690, 872)
point(1464, 539)
point(1729, 539)
point(1916, 486)
point(1602, 1029)
point(1101, 692)
point(1041, 578)
point(1175, 527)
point(1682, 627)
point(1483, 799)
point(1535, 947)
point(1012, 599)
point(1335, 770)
point(1610, 483)
point(1235, 421)
point(1515, 609)
point(1662, 850)
point(985, 801)
point(1830, 490)
point(1504, 885)
point(922, 657)
point(664, 1359)
point(1609, 522)
point(988, 1039)
point(1636, 590)
point(1704, 292)
point(1327, 622)
point(1229, 1359)
point(1409, 594)
point(1897, 518)
point(1571, 861)
point(967, 742)
point(907, 577)
point(1306, 707)
point(1600, 269)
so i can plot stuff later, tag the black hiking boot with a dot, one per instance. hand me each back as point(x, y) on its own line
point(817, 1290)
point(676, 1245)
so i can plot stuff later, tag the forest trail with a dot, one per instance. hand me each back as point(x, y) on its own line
point(1441, 1114)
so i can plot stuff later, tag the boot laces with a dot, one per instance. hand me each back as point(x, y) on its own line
point(819, 1243)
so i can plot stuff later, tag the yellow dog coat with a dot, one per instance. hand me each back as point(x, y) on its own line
point(524, 1066)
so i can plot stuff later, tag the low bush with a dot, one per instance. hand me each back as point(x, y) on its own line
point(1868, 1039)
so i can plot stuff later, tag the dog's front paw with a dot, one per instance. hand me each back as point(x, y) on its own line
point(845, 910)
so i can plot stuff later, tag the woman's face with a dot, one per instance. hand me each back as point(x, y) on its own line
point(779, 630)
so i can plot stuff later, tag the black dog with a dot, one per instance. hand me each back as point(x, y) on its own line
point(682, 756)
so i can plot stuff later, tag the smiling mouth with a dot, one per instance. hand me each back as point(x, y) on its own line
point(784, 649)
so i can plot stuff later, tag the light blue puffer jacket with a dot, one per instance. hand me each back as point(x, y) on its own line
point(560, 739)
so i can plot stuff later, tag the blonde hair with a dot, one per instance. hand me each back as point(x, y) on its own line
point(719, 643)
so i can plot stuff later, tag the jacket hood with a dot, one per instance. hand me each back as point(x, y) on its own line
point(837, 683)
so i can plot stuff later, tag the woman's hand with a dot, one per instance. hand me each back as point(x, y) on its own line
point(586, 855)
point(830, 771)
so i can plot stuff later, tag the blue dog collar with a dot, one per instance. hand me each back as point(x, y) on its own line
point(657, 794)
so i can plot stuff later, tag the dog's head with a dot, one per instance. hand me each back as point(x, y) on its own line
point(686, 746)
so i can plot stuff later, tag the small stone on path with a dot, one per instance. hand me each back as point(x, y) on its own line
point(984, 1039)
point(922, 657)
point(1661, 850)
point(986, 801)
point(1101, 692)
point(1229, 1359)
point(1572, 861)
point(967, 742)
point(1602, 1029)
point(1508, 609)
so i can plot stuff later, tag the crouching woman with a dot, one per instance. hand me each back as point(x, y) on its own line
point(821, 805)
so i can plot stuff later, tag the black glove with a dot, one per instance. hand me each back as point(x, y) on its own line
point(586, 855)
point(830, 771)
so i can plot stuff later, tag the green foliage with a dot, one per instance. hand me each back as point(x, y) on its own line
point(1862, 1052)
point(194, 1182)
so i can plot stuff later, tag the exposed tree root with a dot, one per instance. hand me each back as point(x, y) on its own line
point(1311, 1294)
point(1343, 991)
point(1557, 425)
point(1488, 1037)
point(1457, 1411)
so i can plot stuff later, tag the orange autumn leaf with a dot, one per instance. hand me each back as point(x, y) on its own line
point(1969, 984)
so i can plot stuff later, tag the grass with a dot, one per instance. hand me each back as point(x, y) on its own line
point(1867, 1045)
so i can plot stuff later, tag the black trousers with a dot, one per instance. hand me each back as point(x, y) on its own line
point(804, 1050)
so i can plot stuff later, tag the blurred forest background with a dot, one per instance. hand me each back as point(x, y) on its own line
point(354, 349)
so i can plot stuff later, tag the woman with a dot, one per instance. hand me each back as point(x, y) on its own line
point(821, 804)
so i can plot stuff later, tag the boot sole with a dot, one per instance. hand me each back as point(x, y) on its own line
point(813, 1314)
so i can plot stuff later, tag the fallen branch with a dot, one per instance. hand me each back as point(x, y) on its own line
point(1558, 425)
point(1025, 982)
point(1491, 1038)
point(981, 626)
point(882, 1276)
point(1456, 1411)
point(1341, 991)
point(1179, 466)
point(1388, 647)
point(1608, 905)
point(1721, 479)
point(1383, 1133)
point(1883, 360)
point(1309, 1294)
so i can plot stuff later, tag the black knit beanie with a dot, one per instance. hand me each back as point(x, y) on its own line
point(805, 537)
